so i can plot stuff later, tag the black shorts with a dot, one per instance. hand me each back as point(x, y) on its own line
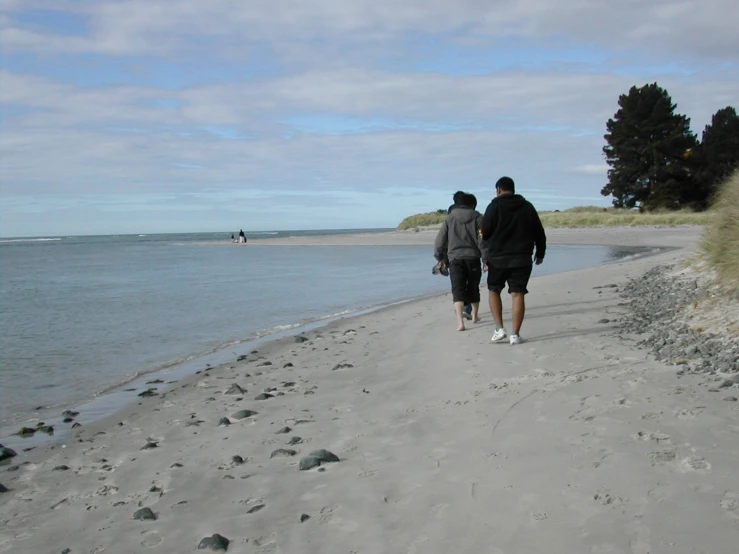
point(465, 274)
point(516, 277)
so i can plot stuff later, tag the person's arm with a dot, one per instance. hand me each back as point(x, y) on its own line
point(540, 237)
point(489, 221)
point(440, 245)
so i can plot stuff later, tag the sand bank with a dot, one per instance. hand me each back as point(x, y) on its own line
point(572, 442)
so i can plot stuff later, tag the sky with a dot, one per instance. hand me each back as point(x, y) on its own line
point(146, 116)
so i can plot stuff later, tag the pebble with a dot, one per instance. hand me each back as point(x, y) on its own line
point(304, 517)
point(176, 464)
point(262, 396)
point(235, 389)
point(264, 363)
point(224, 421)
point(144, 513)
point(341, 366)
point(283, 430)
point(26, 432)
point(288, 364)
point(282, 452)
point(61, 468)
point(216, 542)
point(238, 460)
point(316, 458)
point(730, 398)
point(255, 509)
point(3, 488)
point(294, 440)
point(243, 414)
point(241, 358)
point(147, 393)
point(149, 445)
point(301, 338)
point(70, 413)
point(604, 320)
point(288, 384)
point(6, 453)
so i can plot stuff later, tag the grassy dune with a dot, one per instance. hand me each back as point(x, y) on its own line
point(588, 216)
point(420, 220)
point(720, 243)
point(593, 216)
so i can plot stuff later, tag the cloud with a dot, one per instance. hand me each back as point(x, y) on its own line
point(335, 104)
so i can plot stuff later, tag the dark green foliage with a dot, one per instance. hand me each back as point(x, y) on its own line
point(719, 151)
point(650, 151)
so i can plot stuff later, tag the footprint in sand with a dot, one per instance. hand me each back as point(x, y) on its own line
point(657, 436)
point(694, 464)
point(660, 493)
point(686, 414)
point(730, 504)
point(662, 456)
point(151, 540)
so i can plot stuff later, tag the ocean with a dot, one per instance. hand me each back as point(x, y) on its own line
point(82, 316)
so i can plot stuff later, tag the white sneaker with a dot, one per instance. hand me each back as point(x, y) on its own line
point(516, 339)
point(499, 335)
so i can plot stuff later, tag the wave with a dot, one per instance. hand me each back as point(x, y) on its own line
point(29, 240)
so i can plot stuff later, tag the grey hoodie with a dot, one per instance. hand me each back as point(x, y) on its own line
point(458, 236)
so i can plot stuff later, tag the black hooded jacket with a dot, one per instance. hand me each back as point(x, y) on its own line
point(510, 230)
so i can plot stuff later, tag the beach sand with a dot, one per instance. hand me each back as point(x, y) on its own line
point(573, 442)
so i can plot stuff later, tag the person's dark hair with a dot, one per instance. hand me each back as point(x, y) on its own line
point(506, 184)
point(458, 197)
point(470, 200)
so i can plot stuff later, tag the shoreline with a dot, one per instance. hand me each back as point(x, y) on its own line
point(574, 441)
point(118, 398)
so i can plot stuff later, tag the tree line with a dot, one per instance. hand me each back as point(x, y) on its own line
point(657, 162)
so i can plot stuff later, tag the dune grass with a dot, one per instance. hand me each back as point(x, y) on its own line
point(420, 220)
point(588, 216)
point(594, 216)
point(720, 243)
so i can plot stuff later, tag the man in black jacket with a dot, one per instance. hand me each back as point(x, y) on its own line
point(510, 230)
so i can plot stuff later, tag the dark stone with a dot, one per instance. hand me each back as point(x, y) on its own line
point(48, 429)
point(341, 366)
point(604, 320)
point(13, 468)
point(229, 477)
point(144, 513)
point(282, 453)
point(294, 440)
point(147, 393)
point(238, 460)
point(287, 384)
point(176, 464)
point(308, 462)
point(730, 398)
point(26, 432)
point(324, 456)
point(154, 382)
point(243, 414)
point(264, 363)
point(308, 392)
point(304, 517)
point(66, 551)
point(301, 338)
point(216, 542)
point(149, 445)
point(241, 358)
point(224, 421)
point(235, 389)
point(288, 364)
point(255, 509)
point(262, 396)
point(70, 413)
point(3, 488)
point(61, 468)
point(76, 424)
point(7, 453)
point(283, 430)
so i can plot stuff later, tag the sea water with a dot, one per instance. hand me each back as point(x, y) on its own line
point(82, 315)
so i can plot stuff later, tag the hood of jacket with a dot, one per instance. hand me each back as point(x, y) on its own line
point(462, 214)
point(512, 202)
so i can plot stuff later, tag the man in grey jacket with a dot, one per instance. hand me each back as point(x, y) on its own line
point(457, 241)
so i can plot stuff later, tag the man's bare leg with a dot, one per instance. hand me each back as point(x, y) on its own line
point(458, 309)
point(475, 314)
point(496, 308)
point(519, 309)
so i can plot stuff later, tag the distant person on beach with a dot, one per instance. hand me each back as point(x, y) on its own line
point(232, 238)
point(458, 198)
point(242, 236)
point(457, 245)
point(510, 230)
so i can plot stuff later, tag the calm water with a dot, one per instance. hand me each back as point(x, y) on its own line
point(80, 315)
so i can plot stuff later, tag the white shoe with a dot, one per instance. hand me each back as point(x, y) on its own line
point(516, 339)
point(499, 335)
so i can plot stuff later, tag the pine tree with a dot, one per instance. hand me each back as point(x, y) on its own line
point(719, 149)
point(649, 147)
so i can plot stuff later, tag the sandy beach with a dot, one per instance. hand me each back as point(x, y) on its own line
point(574, 442)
